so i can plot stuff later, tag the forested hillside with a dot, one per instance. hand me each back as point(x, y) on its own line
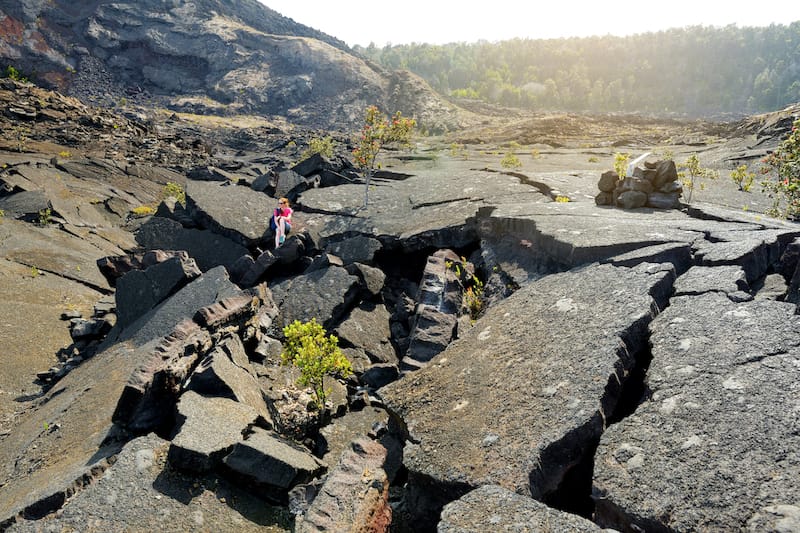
point(697, 71)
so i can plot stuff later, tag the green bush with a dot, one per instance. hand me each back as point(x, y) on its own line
point(784, 185)
point(176, 191)
point(316, 355)
point(319, 145)
point(510, 160)
point(15, 74)
point(743, 178)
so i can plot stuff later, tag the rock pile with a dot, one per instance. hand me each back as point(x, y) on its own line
point(656, 185)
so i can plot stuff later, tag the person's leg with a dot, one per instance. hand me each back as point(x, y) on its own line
point(280, 231)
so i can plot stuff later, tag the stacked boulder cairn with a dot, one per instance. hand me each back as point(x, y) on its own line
point(656, 185)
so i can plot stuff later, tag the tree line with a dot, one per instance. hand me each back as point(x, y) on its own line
point(696, 71)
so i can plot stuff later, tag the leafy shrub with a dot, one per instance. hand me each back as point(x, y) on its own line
point(510, 160)
point(621, 164)
point(316, 355)
point(142, 211)
point(174, 190)
point(743, 178)
point(784, 184)
point(319, 145)
point(15, 74)
point(562, 199)
point(44, 216)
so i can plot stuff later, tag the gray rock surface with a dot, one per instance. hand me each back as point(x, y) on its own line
point(560, 367)
point(208, 430)
point(276, 464)
point(236, 212)
point(355, 496)
point(139, 492)
point(207, 248)
point(493, 508)
point(715, 446)
point(367, 327)
point(701, 279)
point(218, 375)
point(139, 291)
point(326, 295)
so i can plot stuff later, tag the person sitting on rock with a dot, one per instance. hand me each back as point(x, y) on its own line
point(281, 221)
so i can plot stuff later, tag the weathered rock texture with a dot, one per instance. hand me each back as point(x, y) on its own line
point(715, 446)
point(555, 352)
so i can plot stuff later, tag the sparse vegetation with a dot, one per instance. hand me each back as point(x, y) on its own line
point(142, 211)
point(45, 216)
point(66, 154)
point(510, 160)
point(562, 199)
point(378, 131)
point(695, 173)
point(621, 164)
point(319, 145)
point(174, 190)
point(14, 74)
point(316, 355)
point(743, 178)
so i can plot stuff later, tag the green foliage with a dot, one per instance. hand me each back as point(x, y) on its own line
point(593, 159)
point(15, 74)
point(2, 213)
point(316, 355)
point(510, 160)
point(174, 190)
point(319, 145)
point(743, 69)
point(783, 184)
point(35, 272)
point(696, 173)
point(457, 149)
point(378, 131)
point(472, 287)
point(562, 199)
point(742, 178)
point(45, 216)
point(621, 164)
point(143, 211)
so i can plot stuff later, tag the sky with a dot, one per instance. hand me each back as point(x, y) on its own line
point(360, 22)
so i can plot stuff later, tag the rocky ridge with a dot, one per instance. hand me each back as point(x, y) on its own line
point(208, 57)
point(613, 347)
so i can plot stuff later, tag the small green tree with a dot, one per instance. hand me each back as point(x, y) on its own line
point(379, 131)
point(784, 185)
point(696, 172)
point(743, 178)
point(316, 355)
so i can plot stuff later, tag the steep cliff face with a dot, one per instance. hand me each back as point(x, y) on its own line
point(208, 56)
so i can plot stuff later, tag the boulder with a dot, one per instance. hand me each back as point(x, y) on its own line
point(367, 327)
point(25, 205)
point(662, 200)
point(207, 430)
point(358, 249)
point(604, 198)
point(631, 199)
point(326, 295)
point(236, 212)
point(138, 291)
point(608, 181)
point(272, 463)
point(290, 184)
point(729, 279)
point(208, 249)
point(372, 279)
point(713, 445)
point(218, 375)
point(155, 385)
point(666, 172)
